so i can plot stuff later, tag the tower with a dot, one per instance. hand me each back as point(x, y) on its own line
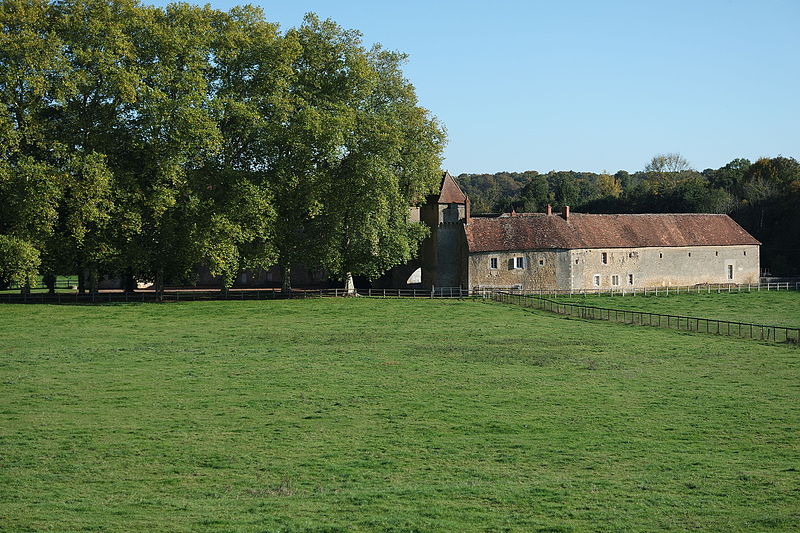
point(443, 252)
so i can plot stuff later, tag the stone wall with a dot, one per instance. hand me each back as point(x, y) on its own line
point(659, 267)
point(542, 269)
point(443, 252)
point(623, 267)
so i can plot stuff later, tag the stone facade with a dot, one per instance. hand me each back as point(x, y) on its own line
point(538, 269)
point(623, 267)
point(443, 253)
point(663, 266)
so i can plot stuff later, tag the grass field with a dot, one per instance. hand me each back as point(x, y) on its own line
point(779, 308)
point(388, 415)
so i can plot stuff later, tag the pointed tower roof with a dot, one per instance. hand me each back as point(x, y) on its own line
point(450, 192)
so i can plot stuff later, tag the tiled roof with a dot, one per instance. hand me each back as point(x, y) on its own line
point(451, 192)
point(541, 231)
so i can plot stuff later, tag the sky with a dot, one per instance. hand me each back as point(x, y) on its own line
point(589, 85)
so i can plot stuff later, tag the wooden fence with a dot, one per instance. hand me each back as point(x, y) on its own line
point(656, 291)
point(537, 300)
point(642, 318)
point(179, 295)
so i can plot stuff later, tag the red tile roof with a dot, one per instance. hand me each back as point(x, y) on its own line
point(541, 231)
point(450, 192)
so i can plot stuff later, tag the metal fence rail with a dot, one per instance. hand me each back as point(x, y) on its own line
point(642, 318)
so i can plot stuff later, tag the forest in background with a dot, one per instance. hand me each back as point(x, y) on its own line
point(762, 196)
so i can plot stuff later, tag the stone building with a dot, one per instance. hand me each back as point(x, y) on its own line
point(576, 251)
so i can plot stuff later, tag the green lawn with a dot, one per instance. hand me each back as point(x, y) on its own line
point(388, 415)
point(779, 308)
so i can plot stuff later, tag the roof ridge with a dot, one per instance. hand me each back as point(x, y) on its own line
point(450, 192)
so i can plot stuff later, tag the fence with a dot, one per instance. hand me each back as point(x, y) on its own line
point(526, 299)
point(643, 318)
point(656, 291)
point(61, 282)
point(231, 294)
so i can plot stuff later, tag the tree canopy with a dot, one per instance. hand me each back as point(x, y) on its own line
point(145, 142)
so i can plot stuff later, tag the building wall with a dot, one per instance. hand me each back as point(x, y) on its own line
point(650, 267)
point(659, 267)
point(443, 251)
point(543, 269)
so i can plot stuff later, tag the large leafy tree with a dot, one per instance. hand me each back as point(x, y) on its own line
point(312, 122)
point(87, 121)
point(33, 71)
point(168, 132)
point(389, 158)
point(249, 78)
point(148, 141)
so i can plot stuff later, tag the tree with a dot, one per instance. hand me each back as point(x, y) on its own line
point(535, 195)
point(168, 133)
point(19, 262)
point(731, 176)
point(236, 219)
point(565, 190)
point(608, 186)
point(32, 74)
point(103, 81)
point(391, 156)
point(665, 170)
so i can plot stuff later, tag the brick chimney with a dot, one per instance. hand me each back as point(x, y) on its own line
point(549, 209)
point(513, 213)
point(565, 212)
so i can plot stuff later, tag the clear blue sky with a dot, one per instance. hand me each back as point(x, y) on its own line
point(591, 85)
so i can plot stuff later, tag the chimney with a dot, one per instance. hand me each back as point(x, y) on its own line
point(549, 209)
point(513, 213)
point(565, 212)
point(466, 212)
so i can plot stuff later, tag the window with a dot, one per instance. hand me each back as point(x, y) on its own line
point(745, 252)
point(630, 255)
point(576, 261)
point(660, 256)
point(520, 262)
point(690, 254)
point(716, 254)
point(630, 279)
point(596, 280)
point(730, 272)
point(493, 263)
point(615, 281)
point(604, 258)
point(541, 262)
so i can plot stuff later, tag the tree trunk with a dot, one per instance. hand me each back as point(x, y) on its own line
point(225, 286)
point(286, 279)
point(128, 281)
point(50, 281)
point(81, 281)
point(25, 289)
point(159, 285)
point(94, 281)
point(349, 285)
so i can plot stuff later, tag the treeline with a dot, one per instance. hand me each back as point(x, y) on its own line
point(763, 196)
point(144, 142)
